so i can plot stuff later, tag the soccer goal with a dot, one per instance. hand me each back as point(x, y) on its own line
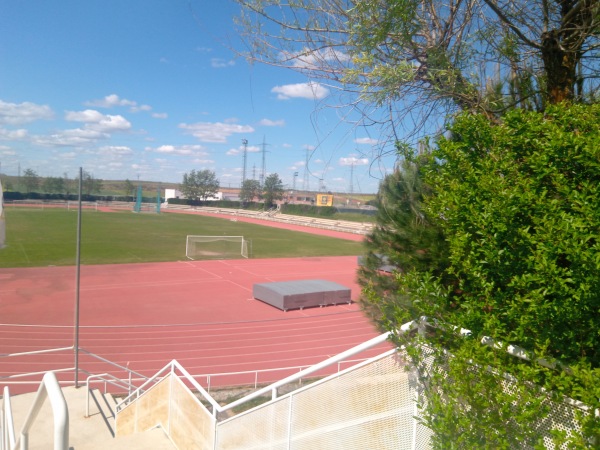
point(216, 247)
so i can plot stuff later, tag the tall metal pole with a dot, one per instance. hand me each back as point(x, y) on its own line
point(263, 172)
point(245, 156)
point(77, 277)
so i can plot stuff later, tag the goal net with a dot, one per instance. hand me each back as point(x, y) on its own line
point(216, 247)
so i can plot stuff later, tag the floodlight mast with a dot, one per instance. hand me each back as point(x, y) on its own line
point(245, 144)
point(77, 278)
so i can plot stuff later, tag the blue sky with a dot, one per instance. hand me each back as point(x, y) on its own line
point(151, 89)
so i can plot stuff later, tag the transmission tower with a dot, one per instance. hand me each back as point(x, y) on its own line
point(264, 162)
point(245, 143)
point(305, 185)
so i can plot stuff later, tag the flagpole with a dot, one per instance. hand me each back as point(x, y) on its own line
point(77, 276)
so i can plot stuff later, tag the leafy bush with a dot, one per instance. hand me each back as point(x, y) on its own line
point(519, 205)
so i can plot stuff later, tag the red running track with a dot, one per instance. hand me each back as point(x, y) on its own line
point(200, 313)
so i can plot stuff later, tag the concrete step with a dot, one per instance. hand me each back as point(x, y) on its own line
point(85, 433)
point(104, 407)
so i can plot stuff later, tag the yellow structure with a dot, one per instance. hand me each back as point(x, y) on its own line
point(324, 200)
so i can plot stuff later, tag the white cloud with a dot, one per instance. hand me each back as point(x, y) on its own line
point(160, 115)
point(310, 90)
point(67, 155)
point(13, 135)
point(214, 132)
point(16, 114)
point(240, 150)
point(203, 161)
point(89, 115)
point(111, 101)
point(366, 141)
point(116, 150)
point(71, 138)
point(179, 150)
point(219, 63)
point(110, 124)
point(354, 161)
point(94, 120)
point(272, 123)
point(140, 108)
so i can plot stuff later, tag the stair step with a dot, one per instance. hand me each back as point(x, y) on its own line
point(102, 404)
point(85, 433)
point(154, 439)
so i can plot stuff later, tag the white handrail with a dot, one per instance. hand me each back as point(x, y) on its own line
point(171, 368)
point(7, 426)
point(323, 364)
point(36, 352)
point(49, 388)
point(272, 387)
point(107, 378)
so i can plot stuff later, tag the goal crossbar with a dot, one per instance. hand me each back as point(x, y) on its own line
point(215, 247)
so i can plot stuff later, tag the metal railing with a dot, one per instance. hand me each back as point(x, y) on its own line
point(7, 426)
point(169, 369)
point(106, 379)
point(49, 389)
point(272, 388)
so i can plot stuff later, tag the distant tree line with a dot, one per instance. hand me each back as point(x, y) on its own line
point(32, 183)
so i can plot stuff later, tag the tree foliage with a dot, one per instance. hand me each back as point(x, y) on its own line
point(68, 184)
point(89, 184)
point(518, 203)
point(30, 180)
point(128, 189)
point(250, 191)
point(199, 185)
point(404, 238)
point(272, 190)
point(54, 185)
point(419, 58)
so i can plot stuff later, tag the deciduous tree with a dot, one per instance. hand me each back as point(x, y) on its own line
point(30, 180)
point(199, 185)
point(422, 59)
point(53, 185)
point(90, 185)
point(250, 191)
point(272, 190)
point(128, 189)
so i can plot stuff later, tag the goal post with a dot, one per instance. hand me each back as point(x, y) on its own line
point(216, 247)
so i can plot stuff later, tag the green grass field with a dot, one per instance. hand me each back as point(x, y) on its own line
point(45, 237)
